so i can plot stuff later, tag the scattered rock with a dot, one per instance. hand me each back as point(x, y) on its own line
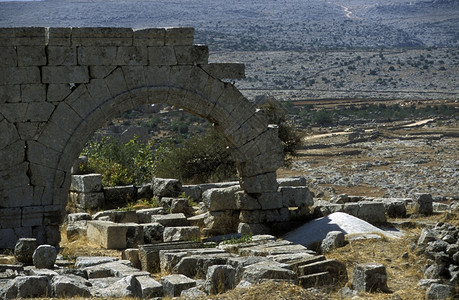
point(24, 249)
point(44, 257)
point(370, 277)
point(334, 239)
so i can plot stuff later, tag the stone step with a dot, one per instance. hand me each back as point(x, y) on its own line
point(315, 280)
point(170, 220)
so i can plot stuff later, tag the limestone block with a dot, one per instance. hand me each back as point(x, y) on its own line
point(183, 233)
point(334, 239)
point(300, 213)
point(369, 211)
point(31, 56)
point(221, 222)
point(88, 183)
point(395, 208)
point(174, 284)
point(132, 56)
point(30, 130)
point(12, 155)
point(219, 279)
point(196, 265)
point(127, 286)
point(315, 280)
point(65, 74)
point(180, 205)
point(149, 37)
point(17, 192)
point(178, 36)
point(296, 196)
point(166, 187)
point(259, 184)
point(24, 249)
point(134, 76)
point(58, 92)
point(107, 234)
point(44, 257)
point(32, 215)
point(253, 229)
point(76, 230)
point(8, 57)
point(8, 134)
point(225, 70)
point(193, 191)
point(33, 92)
point(221, 198)
point(162, 56)
point(195, 54)
point(132, 254)
point(38, 111)
point(100, 71)
point(271, 200)
point(170, 220)
point(10, 93)
point(150, 287)
point(66, 117)
point(422, 203)
point(134, 235)
point(116, 82)
point(247, 202)
point(144, 215)
point(370, 277)
point(62, 56)
point(20, 75)
point(267, 270)
point(70, 286)
point(27, 287)
point(88, 261)
point(193, 293)
point(97, 36)
point(28, 36)
point(87, 201)
point(59, 36)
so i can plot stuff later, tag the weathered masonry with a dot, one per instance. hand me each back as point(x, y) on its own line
point(59, 85)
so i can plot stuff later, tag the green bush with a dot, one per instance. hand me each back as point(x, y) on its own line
point(202, 158)
point(120, 163)
point(322, 117)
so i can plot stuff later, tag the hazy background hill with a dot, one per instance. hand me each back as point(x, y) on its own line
point(262, 24)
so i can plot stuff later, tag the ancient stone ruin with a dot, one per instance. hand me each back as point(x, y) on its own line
point(59, 85)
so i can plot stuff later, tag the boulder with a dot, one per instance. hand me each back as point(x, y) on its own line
point(26, 287)
point(24, 250)
point(334, 239)
point(127, 286)
point(439, 292)
point(44, 257)
point(422, 203)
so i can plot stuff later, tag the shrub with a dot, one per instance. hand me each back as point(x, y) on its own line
point(120, 163)
point(322, 117)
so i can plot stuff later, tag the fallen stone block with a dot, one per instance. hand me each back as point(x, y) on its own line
point(166, 187)
point(333, 240)
point(170, 258)
point(144, 215)
point(26, 287)
point(372, 212)
point(315, 280)
point(370, 277)
point(192, 191)
point(152, 232)
point(170, 220)
point(180, 205)
point(70, 286)
point(88, 261)
point(88, 183)
point(107, 234)
point(78, 217)
point(127, 286)
point(117, 216)
point(198, 220)
point(268, 270)
point(292, 181)
point(121, 268)
point(184, 233)
point(221, 222)
point(238, 263)
point(193, 293)
point(76, 229)
point(174, 284)
point(24, 249)
point(254, 229)
point(87, 201)
point(422, 203)
point(150, 287)
point(149, 253)
point(219, 279)
point(196, 266)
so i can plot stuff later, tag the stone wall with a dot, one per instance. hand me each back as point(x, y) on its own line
point(59, 85)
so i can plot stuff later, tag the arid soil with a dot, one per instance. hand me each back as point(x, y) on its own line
point(384, 160)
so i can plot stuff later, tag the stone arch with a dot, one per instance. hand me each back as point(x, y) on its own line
point(109, 70)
